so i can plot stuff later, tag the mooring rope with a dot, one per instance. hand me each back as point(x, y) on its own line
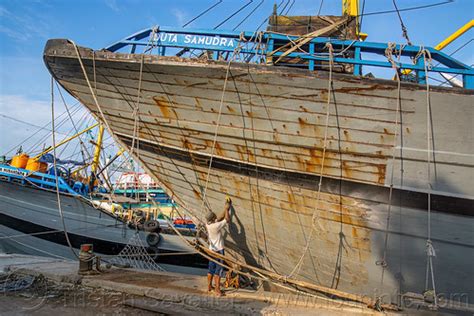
point(430, 251)
point(58, 195)
point(315, 217)
point(76, 129)
point(79, 58)
point(389, 54)
point(216, 133)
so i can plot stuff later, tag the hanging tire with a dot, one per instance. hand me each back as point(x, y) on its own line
point(153, 239)
point(151, 226)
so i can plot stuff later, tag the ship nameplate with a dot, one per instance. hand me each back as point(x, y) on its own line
point(15, 172)
point(208, 42)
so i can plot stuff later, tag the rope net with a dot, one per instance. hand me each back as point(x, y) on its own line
point(135, 255)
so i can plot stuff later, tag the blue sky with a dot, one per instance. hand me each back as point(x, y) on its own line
point(25, 26)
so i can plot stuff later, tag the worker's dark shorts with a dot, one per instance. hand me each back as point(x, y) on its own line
point(217, 269)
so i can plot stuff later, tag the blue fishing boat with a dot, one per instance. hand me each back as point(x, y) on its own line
point(32, 221)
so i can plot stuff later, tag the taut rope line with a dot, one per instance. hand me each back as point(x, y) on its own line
point(216, 132)
point(58, 196)
point(389, 54)
point(430, 251)
point(318, 197)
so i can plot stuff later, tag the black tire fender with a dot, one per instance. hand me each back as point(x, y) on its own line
point(153, 239)
point(151, 226)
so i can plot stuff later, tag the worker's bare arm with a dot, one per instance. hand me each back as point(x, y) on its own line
point(226, 214)
point(228, 203)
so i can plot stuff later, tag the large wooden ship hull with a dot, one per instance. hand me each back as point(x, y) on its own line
point(268, 156)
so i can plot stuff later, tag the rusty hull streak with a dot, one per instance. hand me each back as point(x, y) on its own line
point(266, 131)
point(283, 96)
point(166, 110)
point(337, 211)
point(170, 94)
point(304, 126)
point(309, 165)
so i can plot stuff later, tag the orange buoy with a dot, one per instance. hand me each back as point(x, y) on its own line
point(20, 161)
point(35, 165)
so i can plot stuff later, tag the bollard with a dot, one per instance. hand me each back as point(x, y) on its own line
point(86, 256)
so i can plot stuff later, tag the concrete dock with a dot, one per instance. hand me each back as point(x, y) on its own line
point(127, 291)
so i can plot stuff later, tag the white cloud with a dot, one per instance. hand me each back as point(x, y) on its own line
point(12, 33)
point(30, 24)
point(22, 107)
point(180, 16)
point(112, 4)
point(17, 110)
point(3, 11)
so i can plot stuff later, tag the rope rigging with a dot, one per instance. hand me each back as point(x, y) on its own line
point(430, 251)
point(216, 131)
point(315, 216)
point(76, 107)
point(58, 196)
point(266, 19)
point(447, 80)
point(389, 54)
point(233, 14)
point(62, 123)
point(287, 2)
point(408, 9)
point(320, 7)
point(362, 15)
point(202, 13)
point(84, 150)
point(404, 29)
point(248, 15)
point(290, 7)
point(29, 124)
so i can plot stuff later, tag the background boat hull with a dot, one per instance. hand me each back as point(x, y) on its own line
point(32, 217)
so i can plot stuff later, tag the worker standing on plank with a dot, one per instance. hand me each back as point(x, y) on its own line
point(215, 230)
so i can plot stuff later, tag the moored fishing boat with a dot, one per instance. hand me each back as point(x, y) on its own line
point(337, 179)
point(135, 193)
point(31, 218)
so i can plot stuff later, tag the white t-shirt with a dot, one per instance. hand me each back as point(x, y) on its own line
point(214, 232)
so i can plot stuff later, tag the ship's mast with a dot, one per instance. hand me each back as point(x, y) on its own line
point(96, 158)
point(351, 8)
point(98, 147)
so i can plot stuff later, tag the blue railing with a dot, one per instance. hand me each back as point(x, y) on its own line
point(42, 180)
point(258, 47)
